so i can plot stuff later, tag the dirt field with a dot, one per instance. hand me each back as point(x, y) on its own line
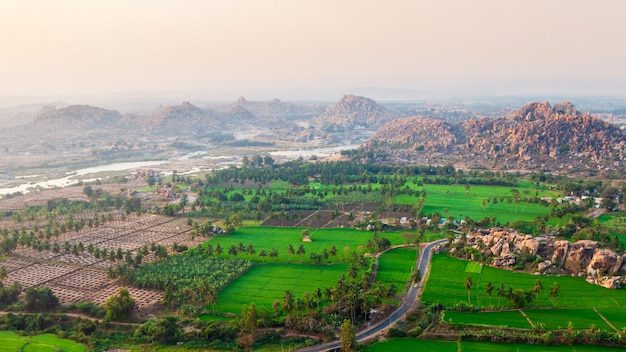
point(82, 277)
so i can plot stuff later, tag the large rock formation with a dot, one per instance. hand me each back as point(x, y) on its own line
point(354, 111)
point(536, 136)
point(581, 258)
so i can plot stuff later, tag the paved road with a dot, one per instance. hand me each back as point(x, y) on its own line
point(408, 303)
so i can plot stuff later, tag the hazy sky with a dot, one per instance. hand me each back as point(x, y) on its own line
point(100, 47)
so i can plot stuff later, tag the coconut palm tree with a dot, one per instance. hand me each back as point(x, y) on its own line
point(489, 291)
point(352, 271)
point(291, 251)
point(301, 251)
point(501, 292)
point(468, 282)
point(555, 291)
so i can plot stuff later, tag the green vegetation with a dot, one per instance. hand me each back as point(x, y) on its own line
point(264, 284)
point(445, 285)
point(279, 238)
point(395, 266)
point(11, 341)
point(405, 344)
point(509, 318)
point(186, 278)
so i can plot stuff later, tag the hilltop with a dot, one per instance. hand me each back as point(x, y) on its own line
point(75, 117)
point(537, 136)
point(356, 112)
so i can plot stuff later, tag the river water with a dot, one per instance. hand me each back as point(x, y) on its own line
point(75, 176)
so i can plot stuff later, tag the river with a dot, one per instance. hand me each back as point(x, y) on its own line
point(75, 176)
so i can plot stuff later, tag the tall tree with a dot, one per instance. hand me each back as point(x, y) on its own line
point(119, 306)
point(468, 282)
point(555, 291)
point(348, 337)
point(489, 291)
point(291, 251)
point(301, 251)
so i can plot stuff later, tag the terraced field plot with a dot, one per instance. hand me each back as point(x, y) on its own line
point(266, 283)
point(266, 238)
point(445, 285)
point(575, 302)
point(396, 265)
point(509, 318)
point(10, 341)
point(470, 346)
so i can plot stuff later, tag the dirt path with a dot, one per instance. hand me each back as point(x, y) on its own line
point(596, 213)
point(527, 318)
point(605, 320)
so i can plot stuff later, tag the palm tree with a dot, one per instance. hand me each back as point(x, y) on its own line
point(537, 288)
point(555, 291)
point(318, 296)
point(489, 291)
point(263, 254)
point(250, 249)
point(501, 291)
point(218, 249)
point(288, 303)
point(468, 286)
point(333, 251)
point(273, 253)
point(301, 251)
point(209, 250)
point(352, 271)
point(291, 251)
point(211, 297)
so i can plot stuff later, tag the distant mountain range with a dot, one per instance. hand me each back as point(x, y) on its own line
point(537, 136)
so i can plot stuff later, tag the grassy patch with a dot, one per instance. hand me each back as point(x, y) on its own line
point(473, 267)
point(445, 285)
point(458, 202)
point(264, 284)
point(509, 318)
point(266, 238)
point(412, 345)
point(470, 346)
point(396, 265)
point(614, 316)
point(10, 341)
point(558, 319)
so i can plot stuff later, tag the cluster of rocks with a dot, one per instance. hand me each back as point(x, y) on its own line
point(582, 258)
point(537, 135)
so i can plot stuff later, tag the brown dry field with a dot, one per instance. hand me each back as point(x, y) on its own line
point(82, 278)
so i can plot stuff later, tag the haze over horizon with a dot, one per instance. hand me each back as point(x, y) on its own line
point(315, 49)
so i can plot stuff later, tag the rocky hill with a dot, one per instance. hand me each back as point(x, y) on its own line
point(276, 108)
point(356, 112)
point(538, 136)
point(173, 120)
point(75, 117)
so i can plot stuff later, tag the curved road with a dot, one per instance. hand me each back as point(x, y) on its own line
point(408, 303)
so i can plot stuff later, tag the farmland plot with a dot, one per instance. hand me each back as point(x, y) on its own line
point(81, 277)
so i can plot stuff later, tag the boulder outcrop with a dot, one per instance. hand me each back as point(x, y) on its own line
point(582, 258)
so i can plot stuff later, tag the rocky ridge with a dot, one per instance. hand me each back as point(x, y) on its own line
point(75, 117)
point(582, 258)
point(537, 136)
